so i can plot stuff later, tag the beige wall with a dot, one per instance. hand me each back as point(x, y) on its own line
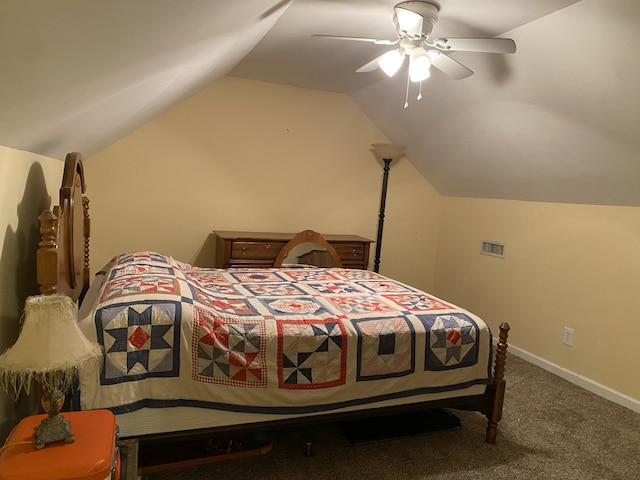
point(246, 155)
point(574, 266)
point(27, 184)
point(250, 155)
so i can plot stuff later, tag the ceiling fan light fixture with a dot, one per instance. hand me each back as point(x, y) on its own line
point(416, 19)
point(414, 22)
point(408, 21)
point(420, 65)
point(391, 62)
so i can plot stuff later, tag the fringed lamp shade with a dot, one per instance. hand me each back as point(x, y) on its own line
point(49, 350)
point(50, 346)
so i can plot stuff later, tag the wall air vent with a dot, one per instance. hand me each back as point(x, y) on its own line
point(494, 249)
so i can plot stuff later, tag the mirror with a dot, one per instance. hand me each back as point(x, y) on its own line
point(317, 250)
point(309, 253)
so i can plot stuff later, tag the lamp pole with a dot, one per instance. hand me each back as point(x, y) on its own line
point(383, 201)
point(385, 152)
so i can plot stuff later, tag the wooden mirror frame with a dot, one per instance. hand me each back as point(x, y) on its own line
point(307, 236)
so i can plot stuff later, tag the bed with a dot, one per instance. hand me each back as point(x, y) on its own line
point(191, 349)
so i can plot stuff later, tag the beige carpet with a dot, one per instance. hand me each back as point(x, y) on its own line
point(551, 429)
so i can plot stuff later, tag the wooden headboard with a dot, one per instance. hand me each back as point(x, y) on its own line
point(63, 256)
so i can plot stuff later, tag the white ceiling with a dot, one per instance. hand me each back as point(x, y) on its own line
point(558, 121)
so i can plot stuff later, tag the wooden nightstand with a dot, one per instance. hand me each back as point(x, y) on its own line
point(93, 454)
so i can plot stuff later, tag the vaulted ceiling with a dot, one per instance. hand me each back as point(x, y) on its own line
point(559, 121)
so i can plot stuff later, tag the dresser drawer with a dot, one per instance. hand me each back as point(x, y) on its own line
point(350, 252)
point(265, 250)
point(259, 249)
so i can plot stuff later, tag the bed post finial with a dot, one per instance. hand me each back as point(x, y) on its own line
point(47, 258)
point(496, 401)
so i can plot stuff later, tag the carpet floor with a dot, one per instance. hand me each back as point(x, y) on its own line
point(551, 429)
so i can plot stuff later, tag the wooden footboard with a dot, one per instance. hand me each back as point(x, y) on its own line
point(497, 387)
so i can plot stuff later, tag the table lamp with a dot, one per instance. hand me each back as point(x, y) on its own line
point(49, 350)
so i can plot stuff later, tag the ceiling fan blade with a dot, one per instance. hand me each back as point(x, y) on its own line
point(375, 41)
point(484, 45)
point(370, 66)
point(449, 66)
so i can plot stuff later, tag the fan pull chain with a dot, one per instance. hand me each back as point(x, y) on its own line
point(420, 92)
point(406, 97)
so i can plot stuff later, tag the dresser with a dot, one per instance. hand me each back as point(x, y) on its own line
point(260, 249)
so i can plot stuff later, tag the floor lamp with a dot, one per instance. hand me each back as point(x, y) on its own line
point(385, 152)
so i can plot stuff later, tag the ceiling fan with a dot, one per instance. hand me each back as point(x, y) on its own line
point(414, 22)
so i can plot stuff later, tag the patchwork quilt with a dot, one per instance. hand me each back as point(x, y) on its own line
point(288, 340)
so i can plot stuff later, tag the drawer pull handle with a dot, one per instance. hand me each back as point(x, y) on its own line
point(244, 250)
point(267, 246)
point(354, 253)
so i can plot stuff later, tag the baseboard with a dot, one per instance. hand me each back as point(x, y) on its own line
point(579, 380)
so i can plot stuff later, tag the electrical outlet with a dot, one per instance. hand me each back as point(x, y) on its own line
point(567, 339)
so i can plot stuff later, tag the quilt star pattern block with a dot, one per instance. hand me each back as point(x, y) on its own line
point(140, 285)
point(412, 302)
point(451, 341)
point(226, 304)
point(140, 340)
point(360, 304)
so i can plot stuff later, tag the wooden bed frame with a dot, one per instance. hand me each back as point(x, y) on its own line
point(63, 267)
point(63, 256)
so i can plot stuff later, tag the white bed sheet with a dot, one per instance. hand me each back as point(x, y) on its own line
point(149, 421)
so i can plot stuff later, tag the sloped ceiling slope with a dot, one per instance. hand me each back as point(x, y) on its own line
point(557, 121)
point(76, 75)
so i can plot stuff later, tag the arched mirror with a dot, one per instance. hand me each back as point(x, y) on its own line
point(308, 248)
point(309, 253)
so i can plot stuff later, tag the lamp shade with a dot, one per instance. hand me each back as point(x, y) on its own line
point(420, 65)
point(387, 151)
point(391, 62)
point(50, 346)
